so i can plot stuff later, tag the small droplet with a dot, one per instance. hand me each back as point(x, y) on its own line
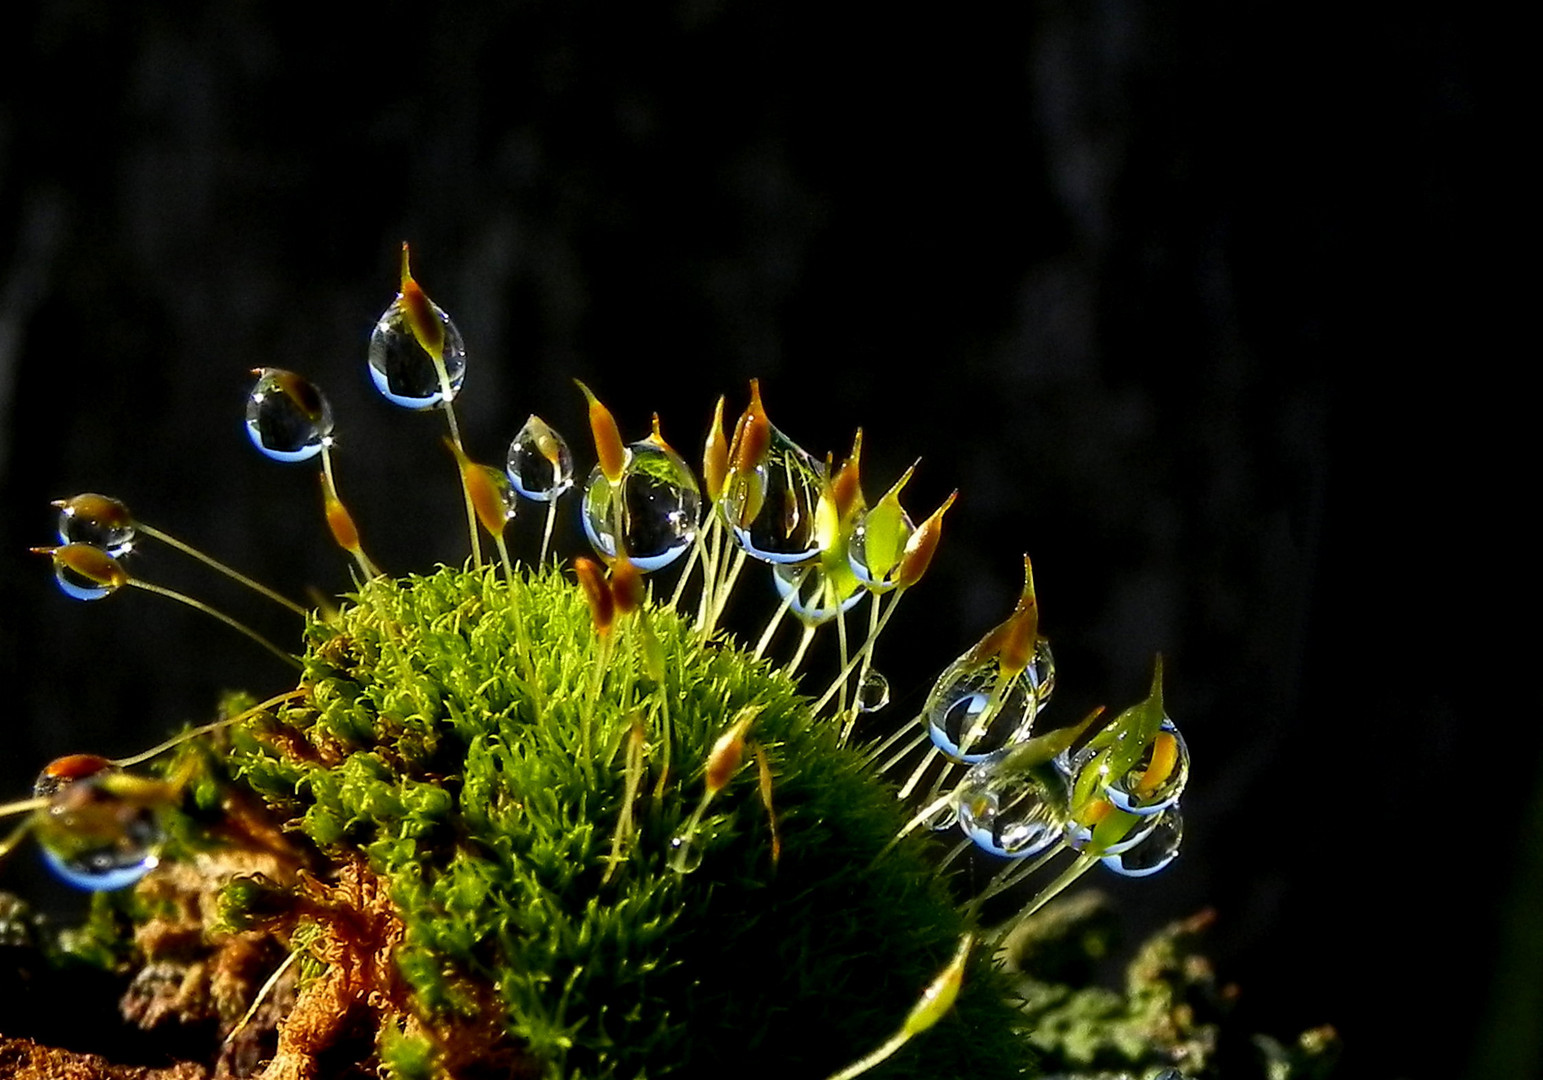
point(685, 854)
point(401, 368)
point(943, 818)
point(660, 507)
point(771, 508)
point(1013, 811)
point(287, 417)
point(873, 694)
point(958, 713)
point(102, 522)
point(540, 463)
point(101, 833)
point(819, 597)
point(1079, 834)
point(1156, 849)
point(61, 772)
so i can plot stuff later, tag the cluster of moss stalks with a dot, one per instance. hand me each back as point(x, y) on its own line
point(465, 826)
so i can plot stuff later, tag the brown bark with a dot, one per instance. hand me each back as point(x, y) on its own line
point(23, 1059)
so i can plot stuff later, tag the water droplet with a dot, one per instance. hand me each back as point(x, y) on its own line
point(1151, 785)
point(1079, 834)
point(64, 771)
point(1012, 810)
point(540, 463)
point(771, 508)
point(85, 572)
point(873, 694)
point(287, 417)
point(945, 817)
point(402, 369)
point(878, 568)
point(101, 833)
point(959, 710)
point(1158, 847)
point(1158, 778)
point(685, 854)
point(820, 597)
point(660, 506)
point(103, 522)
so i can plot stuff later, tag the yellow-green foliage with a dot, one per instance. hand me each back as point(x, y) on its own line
point(460, 772)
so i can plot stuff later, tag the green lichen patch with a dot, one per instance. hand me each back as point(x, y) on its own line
point(469, 738)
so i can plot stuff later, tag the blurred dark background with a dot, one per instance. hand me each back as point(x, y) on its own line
point(1192, 304)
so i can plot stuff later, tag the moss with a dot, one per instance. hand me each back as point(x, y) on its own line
point(451, 758)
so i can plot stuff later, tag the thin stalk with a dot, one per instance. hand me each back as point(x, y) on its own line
point(895, 736)
point(199, 605)
point(1083, 864)
point(698, 544)
point(503, 555)
point(234, 575)
point(910, 785)
point(866, 649)
point(803, 647)
point(725, 590)
point(777, 616)
point(366, 565)
point(1009, 876)
point(866, 666)
point(920, 738)
point(841, 640)
point(546, 532)
point(193, 733)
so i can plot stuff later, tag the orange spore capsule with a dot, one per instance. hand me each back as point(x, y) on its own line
point(597, 593)
point(339, 521)
point(1165, 755)
point(626, 585)
point(609, 448)
point(922, 545)
point(91, 563)
point(845, 487)
point(63, 771)
point(752, 436)
point(727, 753)
point(1021, 631)
point(421, 317)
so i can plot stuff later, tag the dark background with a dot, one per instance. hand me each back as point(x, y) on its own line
point(1195, 306)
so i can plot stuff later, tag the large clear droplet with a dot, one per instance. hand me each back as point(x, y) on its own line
point(873, 694)
point(658, 506)
point(540, 465)
point(97, 837)
point(287, 417)
point(878, 570)
point(1156, 849)
point(64, 771)
point(962, 719)
point(1013, 811)
point(771, 508)
point(103, 522)
point(402, 370)
point(818, 597)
